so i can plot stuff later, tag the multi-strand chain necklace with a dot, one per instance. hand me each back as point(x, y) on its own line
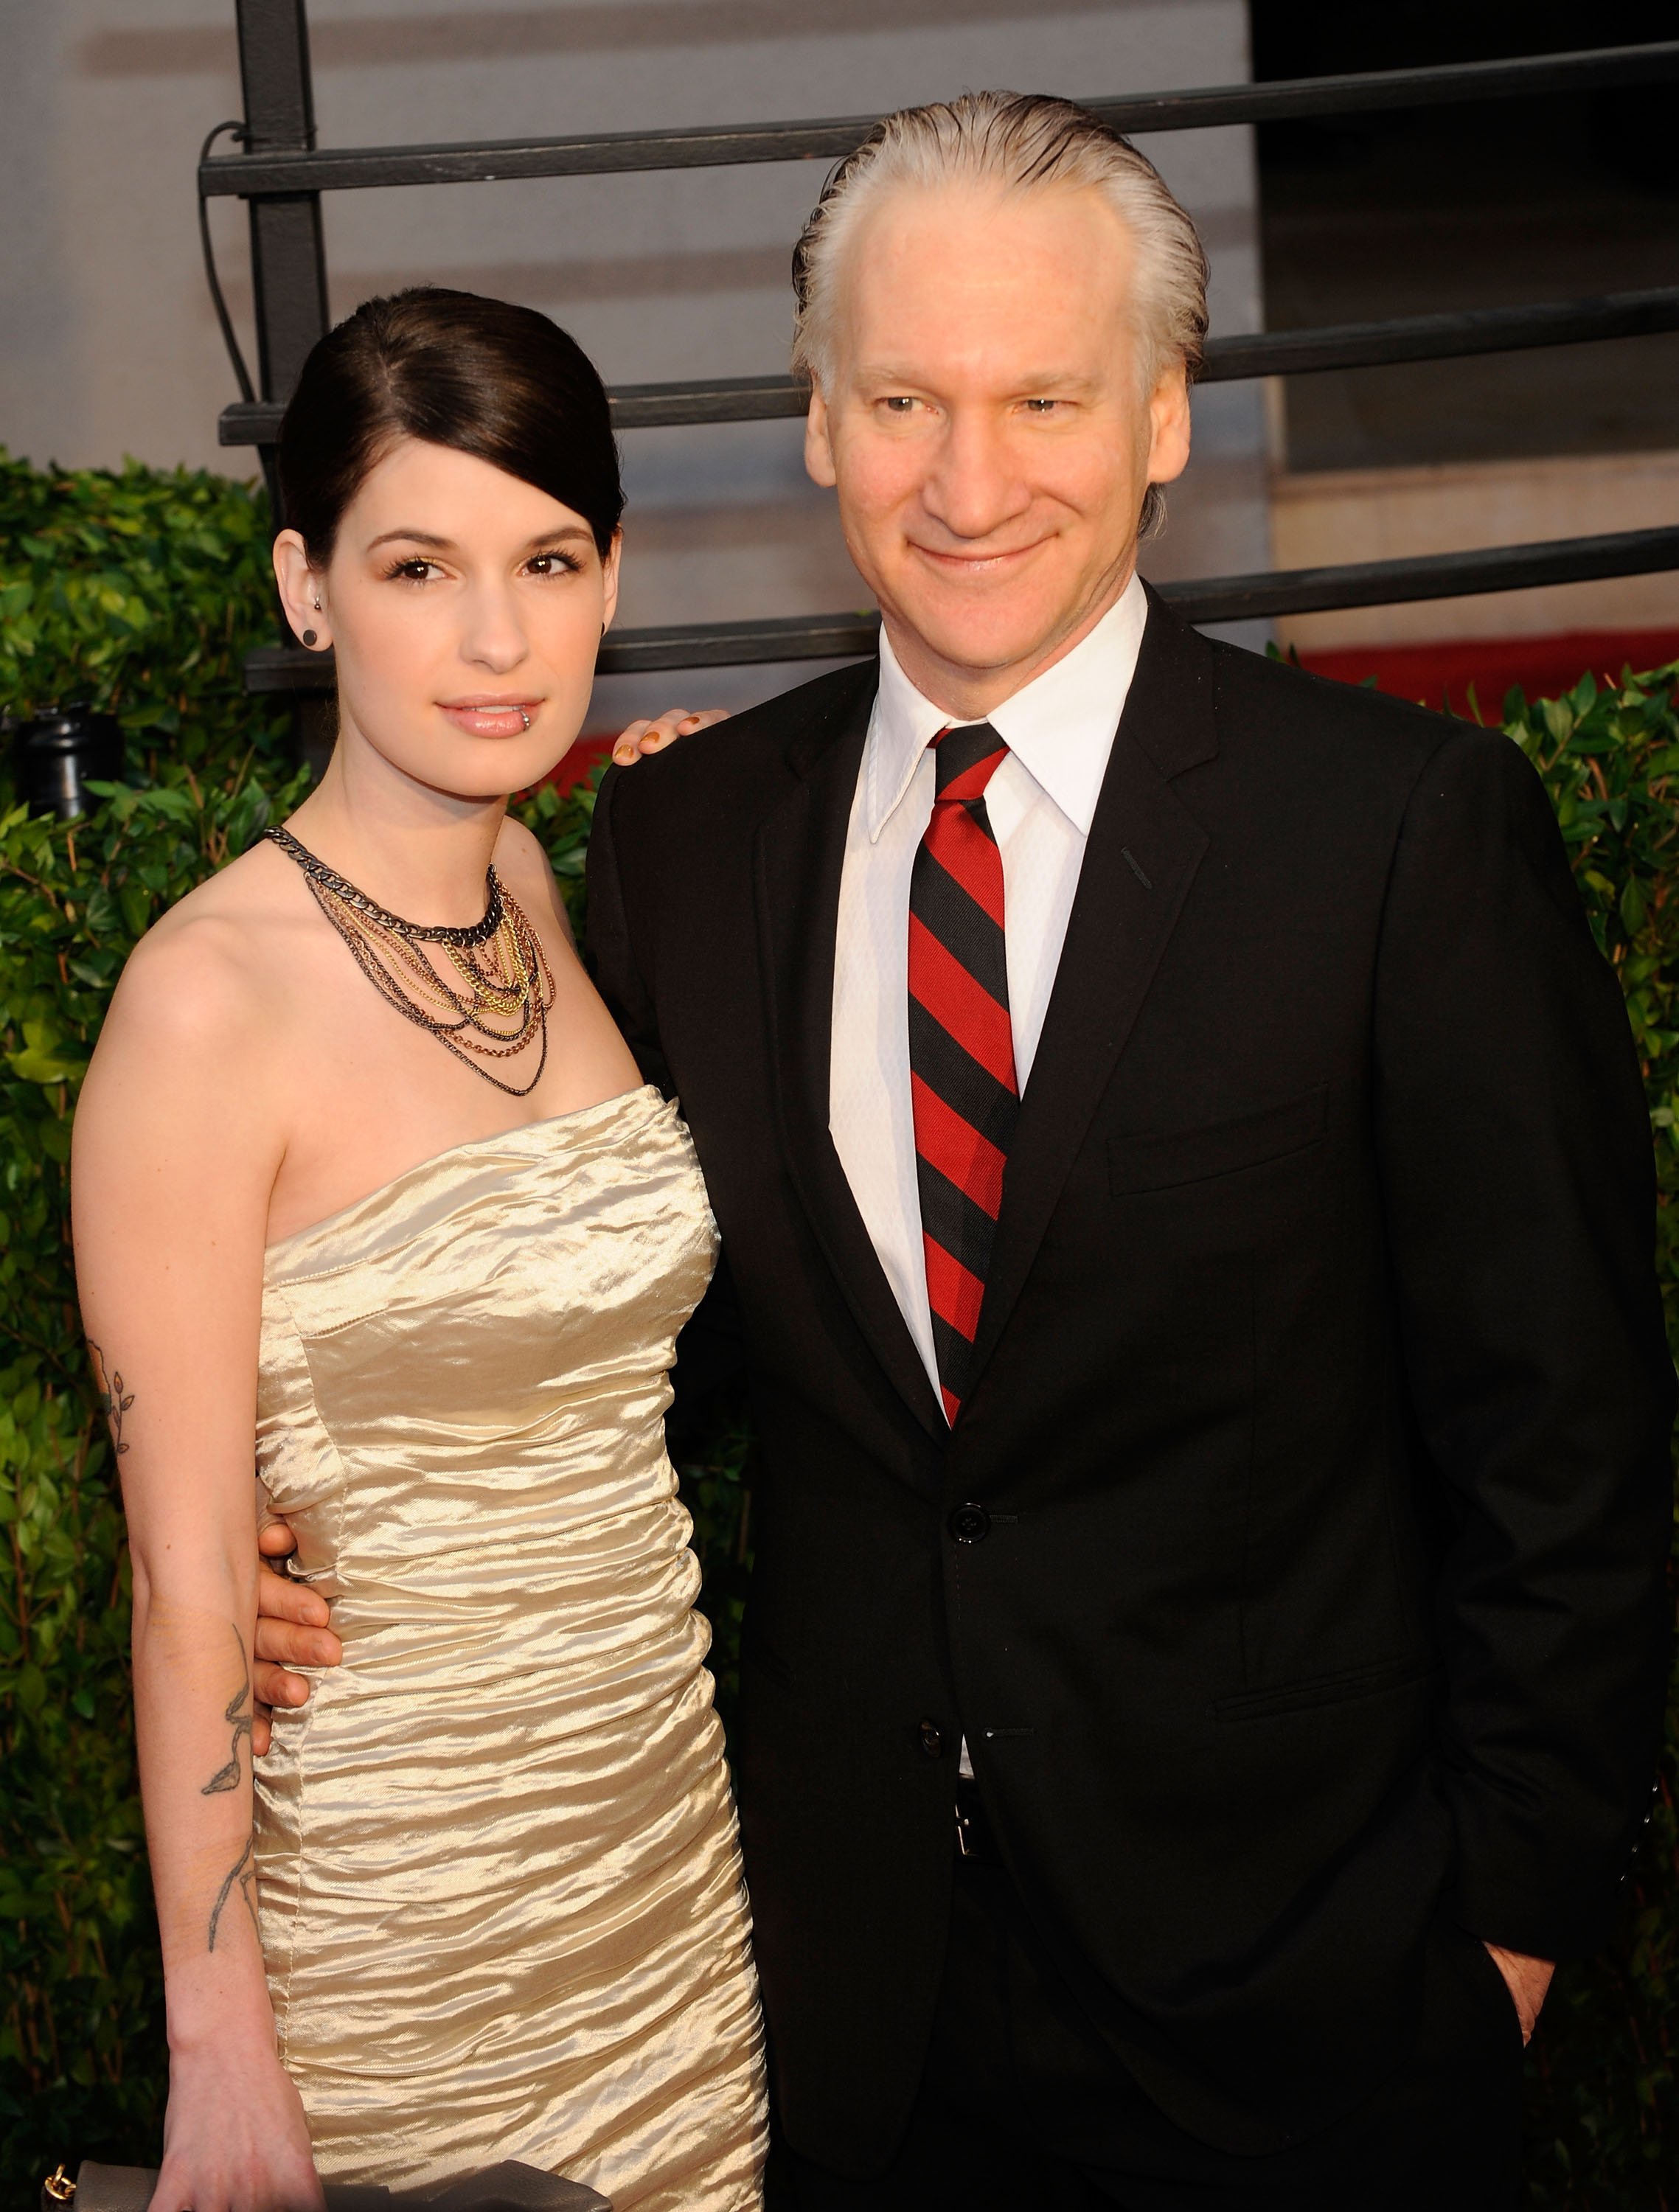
point(490, 995)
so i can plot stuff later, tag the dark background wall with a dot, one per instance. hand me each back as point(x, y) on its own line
point(1483, 205)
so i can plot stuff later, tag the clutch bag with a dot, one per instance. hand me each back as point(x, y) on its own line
point(509, 2187)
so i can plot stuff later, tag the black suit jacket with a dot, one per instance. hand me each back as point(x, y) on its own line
point(1322, 1415)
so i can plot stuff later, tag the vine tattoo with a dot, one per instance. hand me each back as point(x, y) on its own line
point(243, 1871)
point(111, 1401)
point(238, 1716)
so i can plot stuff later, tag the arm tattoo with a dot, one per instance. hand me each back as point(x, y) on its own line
point(111, 1403)
point(243, 1871)
point(238, 1716)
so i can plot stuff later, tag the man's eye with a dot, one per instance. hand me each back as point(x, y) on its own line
point(897, 404)
point(1042, 406)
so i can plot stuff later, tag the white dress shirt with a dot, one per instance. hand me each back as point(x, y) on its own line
point(1059, 730)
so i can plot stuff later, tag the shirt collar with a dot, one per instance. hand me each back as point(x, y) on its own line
point(1060, 726)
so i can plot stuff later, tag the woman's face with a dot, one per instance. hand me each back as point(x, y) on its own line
point(465, 608)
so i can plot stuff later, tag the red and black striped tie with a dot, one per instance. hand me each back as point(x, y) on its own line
point(961, 1044)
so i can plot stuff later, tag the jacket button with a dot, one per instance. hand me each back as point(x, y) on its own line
point(970, 1524)
point(932, 1741)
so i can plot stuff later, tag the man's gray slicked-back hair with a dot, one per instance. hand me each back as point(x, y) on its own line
point(1014, 141)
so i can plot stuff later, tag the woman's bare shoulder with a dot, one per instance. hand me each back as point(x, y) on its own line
point(519, 854)
point(522, 865)
point(186, 1110)
point(212, 970)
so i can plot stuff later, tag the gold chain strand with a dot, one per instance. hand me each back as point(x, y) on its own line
point(504, 1000)
point(519, 1004)
point(497, 989)
point(509, 986)
point(501, 997)
point(397, 954)
point(492, 988)
point(444, 1032)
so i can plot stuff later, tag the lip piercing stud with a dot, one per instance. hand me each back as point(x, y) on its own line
point(525, 718)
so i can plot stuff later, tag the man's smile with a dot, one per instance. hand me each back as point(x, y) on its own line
point(975, 566)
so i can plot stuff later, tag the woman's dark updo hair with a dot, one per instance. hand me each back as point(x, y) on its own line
point(453, 369)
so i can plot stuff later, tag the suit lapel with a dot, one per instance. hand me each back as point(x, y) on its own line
point(799, 856)
point(1140, 859)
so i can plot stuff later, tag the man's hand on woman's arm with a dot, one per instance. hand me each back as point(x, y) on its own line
point(292, 1631)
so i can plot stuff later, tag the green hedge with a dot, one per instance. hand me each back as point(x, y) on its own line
point(1603, 2102)
point(139, 591)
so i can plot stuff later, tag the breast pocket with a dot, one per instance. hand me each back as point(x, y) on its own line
point(1164, 1160)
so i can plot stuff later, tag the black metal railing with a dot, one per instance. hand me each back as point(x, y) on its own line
point(1265, 353)
point(281, 174)
point(308, 168)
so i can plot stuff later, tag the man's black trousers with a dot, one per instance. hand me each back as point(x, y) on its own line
point(1022, 2105)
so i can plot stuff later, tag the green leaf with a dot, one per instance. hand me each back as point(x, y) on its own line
point(33, 1067)
point(136, 905)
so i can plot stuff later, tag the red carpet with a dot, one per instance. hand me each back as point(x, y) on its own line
point(1441, 675)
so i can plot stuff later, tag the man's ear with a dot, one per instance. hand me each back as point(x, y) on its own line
point(818, 447)
point(1169, 427)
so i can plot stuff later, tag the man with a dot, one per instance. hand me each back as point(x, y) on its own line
point(1185, 1182)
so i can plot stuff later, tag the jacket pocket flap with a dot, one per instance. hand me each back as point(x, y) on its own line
point(1325, 1690)
point(1176, 1155)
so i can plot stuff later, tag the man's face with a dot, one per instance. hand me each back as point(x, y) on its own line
point(987, 428)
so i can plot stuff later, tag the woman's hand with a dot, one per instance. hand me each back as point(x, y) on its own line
point(235, 2137)
point(652, 737)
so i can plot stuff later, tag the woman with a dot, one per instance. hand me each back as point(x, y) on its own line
point(387, 1197)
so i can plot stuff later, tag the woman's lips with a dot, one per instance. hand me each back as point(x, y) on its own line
point(492, 718)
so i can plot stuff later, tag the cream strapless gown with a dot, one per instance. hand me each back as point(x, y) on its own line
point(500, 1883)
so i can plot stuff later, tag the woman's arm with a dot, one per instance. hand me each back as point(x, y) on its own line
point(176, 1146)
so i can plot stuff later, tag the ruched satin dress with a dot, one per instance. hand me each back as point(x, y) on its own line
point(499, 1878)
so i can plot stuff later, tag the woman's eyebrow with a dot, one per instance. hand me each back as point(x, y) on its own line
point(553, 536)
point(563, 530)
point(411, 538)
